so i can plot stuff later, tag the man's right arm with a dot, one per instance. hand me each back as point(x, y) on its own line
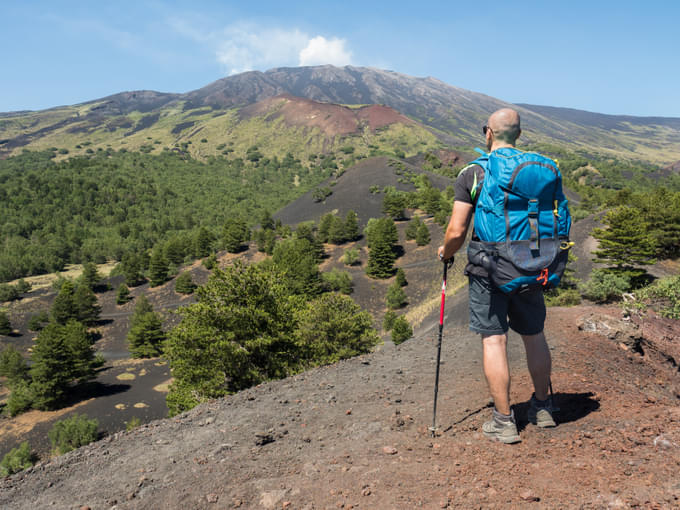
point(457, 229)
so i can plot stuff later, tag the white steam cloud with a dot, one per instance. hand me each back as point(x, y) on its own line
point(320, 50)
point(246, 46)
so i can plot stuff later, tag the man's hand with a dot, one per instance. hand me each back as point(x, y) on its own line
point(440, 252)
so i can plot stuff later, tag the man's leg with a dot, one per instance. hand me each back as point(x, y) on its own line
point(538, 362)
point(502, 425)
point(496, 371)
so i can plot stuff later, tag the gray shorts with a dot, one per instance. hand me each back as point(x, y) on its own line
point(491, 308)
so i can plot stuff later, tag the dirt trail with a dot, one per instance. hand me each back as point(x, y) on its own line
point(354, 435)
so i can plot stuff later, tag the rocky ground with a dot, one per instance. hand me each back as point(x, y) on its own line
point(355, 434)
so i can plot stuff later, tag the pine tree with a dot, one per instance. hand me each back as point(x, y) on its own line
point(401, 278)
point(324, 229)
point(239, 333)
point(87, 308)
point(627, 240)
point(295, 259)
point(430, 199)
point(5, 325)
point(351, 226)
point(122, 294)
point(12, 365)
point(184, 284)
point(336, 233)
point(145, 338)
point(381, 236)
point(393, 205)
point(396, 297)
point(158, 268)
point(401, 330)
point(90, 276)
point(64, 308)
point(423, 235)
point(235, 233)
point(61, 354)
point(266, 220)
point(380, 260)
point(305, 231)
point(203, 243)
point(131, 266)
point(411, 231)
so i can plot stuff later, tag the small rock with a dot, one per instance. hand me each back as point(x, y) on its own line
point(662, 442)
point(286, 504)
point(262, 439)
point(212, 498)
point(130, 496)
point(491, 492)
point(85, 507)
point(348, 412)
point(366, 491)
point(527, 495)
point(389, 450)
point(444, 503)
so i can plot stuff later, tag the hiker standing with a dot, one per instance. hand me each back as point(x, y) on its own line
point(518, 305)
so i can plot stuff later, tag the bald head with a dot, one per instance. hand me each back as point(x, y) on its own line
point(505, 125)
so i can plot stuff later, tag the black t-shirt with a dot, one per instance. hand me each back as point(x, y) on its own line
point(467, 187)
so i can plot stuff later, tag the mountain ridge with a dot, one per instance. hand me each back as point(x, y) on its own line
point(453, 114)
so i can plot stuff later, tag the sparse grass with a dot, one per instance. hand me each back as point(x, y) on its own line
point(71, 272)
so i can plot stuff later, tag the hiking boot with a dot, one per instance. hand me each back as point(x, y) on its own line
point(541, 413)
point(501, 428)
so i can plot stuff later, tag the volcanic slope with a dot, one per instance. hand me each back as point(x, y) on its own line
point(355, 435)
point(156, 120)
point(360, 189)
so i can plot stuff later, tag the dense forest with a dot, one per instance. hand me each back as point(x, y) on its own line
point(105, 205)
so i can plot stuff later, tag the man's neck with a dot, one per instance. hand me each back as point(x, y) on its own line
point(501, 145)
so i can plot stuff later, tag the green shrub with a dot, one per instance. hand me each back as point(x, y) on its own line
point(17, 459)
point(334, 327)
point(134, 422)
point(388, 320)
point(23, 286)
point(72, 433)
point(663, 295)
point(337, 281)
point(38, 321)
point(605, 285)
point(396, 297)
point(8, 292)
point(562, 297)
point(401, 330)
point(12, 365)
point(210, 262)
point(350, 257)
point(21, 398)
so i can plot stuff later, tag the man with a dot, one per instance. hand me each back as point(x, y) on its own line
point(492, 311)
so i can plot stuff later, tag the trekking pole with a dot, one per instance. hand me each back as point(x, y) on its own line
point(433, 428)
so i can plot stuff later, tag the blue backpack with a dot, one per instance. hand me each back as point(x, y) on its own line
point(521, 220)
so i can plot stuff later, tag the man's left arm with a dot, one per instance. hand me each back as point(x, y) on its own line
point(456, 231)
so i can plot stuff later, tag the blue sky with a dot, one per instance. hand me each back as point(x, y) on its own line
point(604, 56)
